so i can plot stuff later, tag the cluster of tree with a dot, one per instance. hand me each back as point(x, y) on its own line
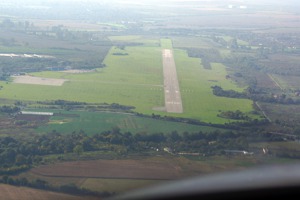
point(218, 91)
point(237, 115)
point(120, 54)
point(9, 109)
point(9, 66)
point(17, 154)
point(64, 104)
point(73, 105)
point(207, 56)
point(244, 63)
point(255, 95)
point(120, 107)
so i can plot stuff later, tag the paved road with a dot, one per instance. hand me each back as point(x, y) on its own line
point(173, 101)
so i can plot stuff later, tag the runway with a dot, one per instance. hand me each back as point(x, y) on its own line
point(173, 102)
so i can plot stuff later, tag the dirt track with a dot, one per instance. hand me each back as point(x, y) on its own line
point(173, 102)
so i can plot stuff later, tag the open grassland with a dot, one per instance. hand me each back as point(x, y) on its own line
point(9, 192)
point(97, 122)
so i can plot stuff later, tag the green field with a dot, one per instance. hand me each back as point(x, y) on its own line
point(134, 79)
point(195, 85)
point(192, 42)
point(97, 122)
point(133, 76)
point(136, 39)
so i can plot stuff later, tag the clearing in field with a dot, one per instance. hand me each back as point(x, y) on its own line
point(26, 79)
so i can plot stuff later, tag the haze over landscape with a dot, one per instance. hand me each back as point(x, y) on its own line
point(99, 98)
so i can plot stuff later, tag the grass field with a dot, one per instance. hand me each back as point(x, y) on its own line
point(191, 42)
point(97, 122)
point(133, 76)
point(137, 39)
point(135, 79)
point(195, 84)
point(166, 44)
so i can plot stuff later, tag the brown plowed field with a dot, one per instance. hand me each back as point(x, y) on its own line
point(115, 169)
point(9, 192)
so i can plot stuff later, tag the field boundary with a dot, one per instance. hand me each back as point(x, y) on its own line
point(276, 83)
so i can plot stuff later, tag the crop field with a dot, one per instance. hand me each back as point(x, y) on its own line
point(117, 185)
point(282, 113)
point(119, 169)
point(287, 82)
point(96, 122)
point(266, 81)
point(123, 175)
point(9, 192)
point(134, 76)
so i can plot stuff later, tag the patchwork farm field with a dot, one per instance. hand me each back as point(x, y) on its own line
point(133, 76)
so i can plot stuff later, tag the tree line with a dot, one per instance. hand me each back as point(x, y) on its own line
point(255, 95)
point(19, 153)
